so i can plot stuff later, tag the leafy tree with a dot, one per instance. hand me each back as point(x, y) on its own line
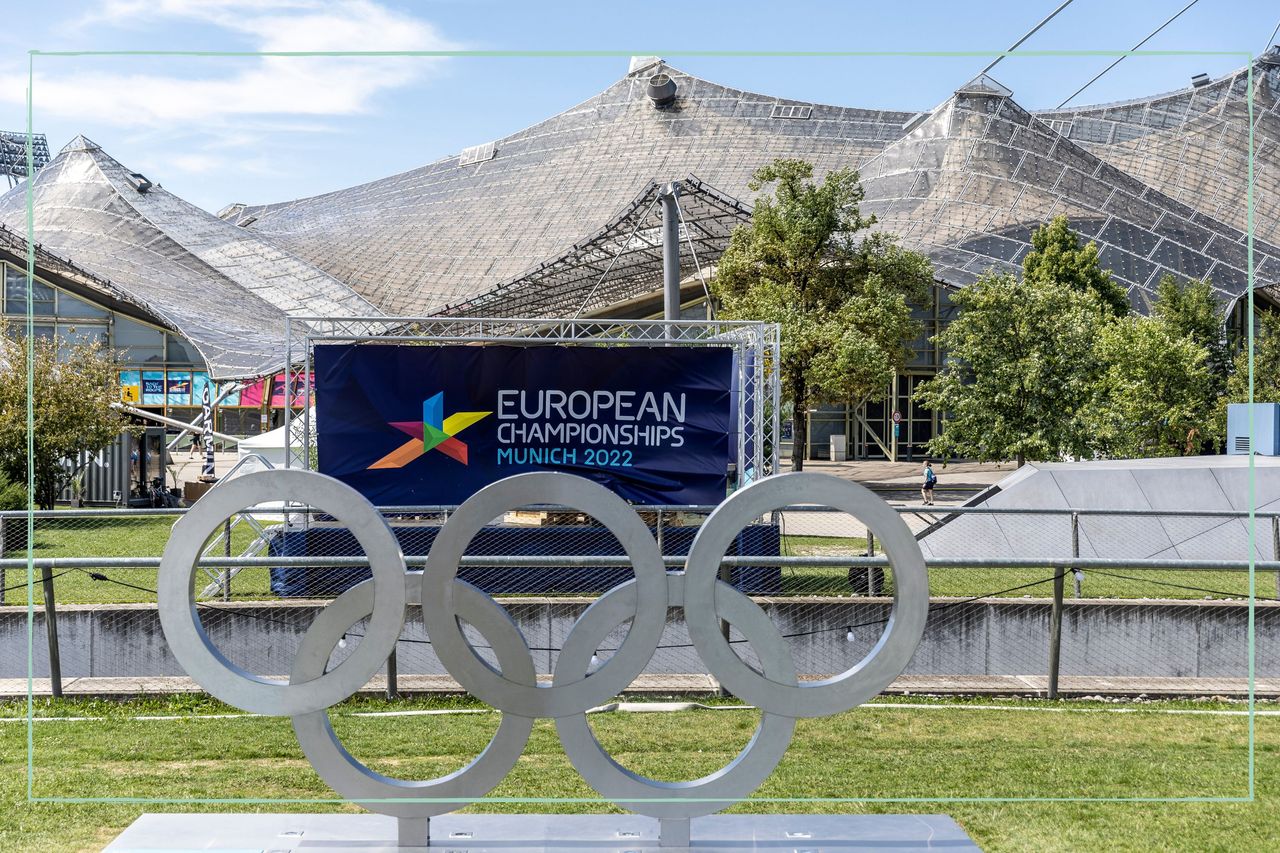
point(1266, 369)
point(1020, 371)
point(1057, 257)
point(840, 294)
point(1154, 397)
point(1190, 310)
point(72, 407)
point(13, 496)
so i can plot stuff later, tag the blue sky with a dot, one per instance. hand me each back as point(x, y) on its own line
point(218, 130)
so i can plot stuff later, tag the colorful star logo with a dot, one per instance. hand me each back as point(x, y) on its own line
point(434, 432)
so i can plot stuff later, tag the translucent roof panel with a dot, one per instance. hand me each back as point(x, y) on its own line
point(443, 234)
point(225, 289)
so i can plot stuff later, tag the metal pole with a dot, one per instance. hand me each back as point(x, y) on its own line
point(670, 256)
point(893, 455)
point(288, 398)
point(226, 549)
point(1075, 551)
point(393, 692)
point(1275, 547)
point(1028, 35)
point(51, 631)
point(306, 405)
point(873, 574)
point(226, 392)
point(1055, 615)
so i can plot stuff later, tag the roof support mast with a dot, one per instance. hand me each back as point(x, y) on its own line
point(670, 255)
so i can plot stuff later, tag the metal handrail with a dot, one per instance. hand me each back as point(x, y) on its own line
point(906, 509)
point(622, 561)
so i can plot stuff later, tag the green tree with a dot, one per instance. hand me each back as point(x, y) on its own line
point(1190, 310)
point(1020, 371)
point(73, 394)
point(1057, 257)
point(1266, 369)
point(840, 294)
point(1154, 397)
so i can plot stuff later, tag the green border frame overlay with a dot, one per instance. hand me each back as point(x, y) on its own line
point(1248, 58)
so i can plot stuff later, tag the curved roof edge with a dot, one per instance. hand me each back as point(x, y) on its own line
point(249, 214)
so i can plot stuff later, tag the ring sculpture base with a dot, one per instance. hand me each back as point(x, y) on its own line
point(474, 833)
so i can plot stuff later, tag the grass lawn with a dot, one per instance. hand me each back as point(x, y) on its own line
point(951, 748)
point(143, 536)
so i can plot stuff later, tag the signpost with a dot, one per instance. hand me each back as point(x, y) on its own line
point(897, 424)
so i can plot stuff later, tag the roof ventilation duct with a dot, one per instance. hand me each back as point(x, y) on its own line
point(662, 90)
point(1201, 80)
point(139, 182)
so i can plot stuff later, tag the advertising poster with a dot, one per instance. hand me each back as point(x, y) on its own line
point(130, 386)
point(251, 394)
point(199, 382)
point(178, 388)
point(298, 391)
point(153, 387)
point(433, 425)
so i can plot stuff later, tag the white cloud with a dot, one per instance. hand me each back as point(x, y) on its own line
point(249, 87)
point(196, 164)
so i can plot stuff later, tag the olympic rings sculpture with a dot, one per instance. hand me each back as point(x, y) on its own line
point(512, 687)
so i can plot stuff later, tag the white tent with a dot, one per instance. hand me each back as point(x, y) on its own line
point(270, 445)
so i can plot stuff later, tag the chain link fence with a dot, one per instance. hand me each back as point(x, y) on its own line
point(1023, 601)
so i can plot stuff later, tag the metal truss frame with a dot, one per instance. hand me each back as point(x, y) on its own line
point(620, 261)
point(756, 346)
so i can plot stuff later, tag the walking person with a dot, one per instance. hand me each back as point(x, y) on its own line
point(930, 480)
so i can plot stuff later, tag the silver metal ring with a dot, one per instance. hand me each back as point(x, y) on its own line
point(715, 791)
point(512, 687)
point(203, 661)
point(574, 695)
point(883, 663)
point(352, 779)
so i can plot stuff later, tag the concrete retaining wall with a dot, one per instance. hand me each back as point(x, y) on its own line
point(991, 637)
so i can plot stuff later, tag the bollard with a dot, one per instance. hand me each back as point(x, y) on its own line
point(51, 632)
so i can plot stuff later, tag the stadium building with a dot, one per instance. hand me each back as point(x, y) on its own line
point(561, 220)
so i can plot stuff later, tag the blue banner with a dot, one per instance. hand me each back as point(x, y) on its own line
point(434, 424)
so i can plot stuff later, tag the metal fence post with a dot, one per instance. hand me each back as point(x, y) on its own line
point(1055, 615)
point(393, 691)
point(1275, 547)
point(226, 573)
point(51, 631)
point(1077, 575)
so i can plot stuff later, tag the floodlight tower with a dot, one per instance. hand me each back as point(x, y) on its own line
point(13, 154)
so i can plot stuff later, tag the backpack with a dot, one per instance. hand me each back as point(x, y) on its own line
point(930, 477)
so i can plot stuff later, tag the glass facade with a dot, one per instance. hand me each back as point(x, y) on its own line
point(160, 372)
